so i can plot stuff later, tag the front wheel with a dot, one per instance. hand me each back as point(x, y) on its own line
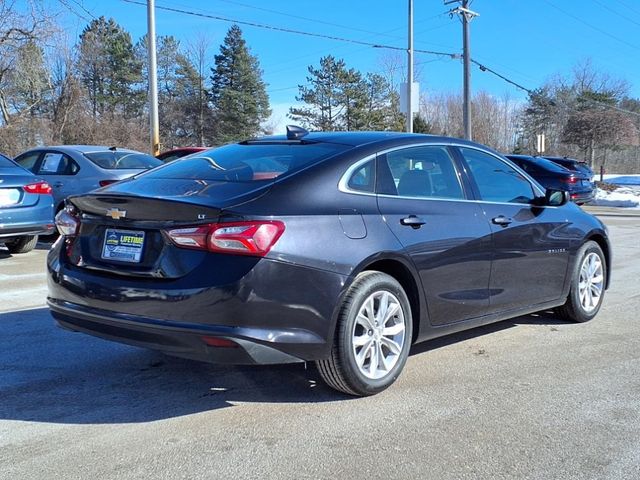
point(588, 281)
point(372, 339)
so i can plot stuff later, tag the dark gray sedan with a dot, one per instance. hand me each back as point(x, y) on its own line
point(26, 207)
point(74, 169)
point(342, 248)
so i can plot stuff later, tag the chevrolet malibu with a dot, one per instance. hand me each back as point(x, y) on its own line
point(339, 248)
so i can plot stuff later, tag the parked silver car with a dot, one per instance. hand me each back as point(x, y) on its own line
point(73, 169)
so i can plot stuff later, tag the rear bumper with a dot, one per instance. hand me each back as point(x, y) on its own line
point(19, 221)
point(10, 231)
point(582, 197)
point(179, 340)
point(275, 313)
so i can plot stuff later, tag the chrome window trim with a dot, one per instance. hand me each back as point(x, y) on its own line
point(344, 180)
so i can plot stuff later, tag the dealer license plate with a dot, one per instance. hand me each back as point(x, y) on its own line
point(123, 245)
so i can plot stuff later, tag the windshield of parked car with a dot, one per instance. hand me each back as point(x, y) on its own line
point(549, 165)
point(247, 162)
point(114, 160)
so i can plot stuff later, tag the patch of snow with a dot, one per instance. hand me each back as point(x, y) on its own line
point(627, 197)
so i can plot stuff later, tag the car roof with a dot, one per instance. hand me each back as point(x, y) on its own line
point(84, 148)
point(358, 138)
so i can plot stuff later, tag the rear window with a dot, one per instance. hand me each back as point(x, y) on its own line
point(123, 160)
point(247, 162)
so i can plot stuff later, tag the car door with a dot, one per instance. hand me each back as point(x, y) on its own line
point(531, 243)
point(424, 202)
point(59, 170)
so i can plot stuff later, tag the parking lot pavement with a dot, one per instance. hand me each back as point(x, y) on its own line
point(529, 398)
point(22, 278)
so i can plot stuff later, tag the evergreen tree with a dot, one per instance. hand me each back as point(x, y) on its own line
point(339, 98)
point(238, 94)
point(109, 69)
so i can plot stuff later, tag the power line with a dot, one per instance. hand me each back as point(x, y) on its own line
point(350, 28)
point(615, 12)
point(65, 4)
point(598, 29)
point(451, 55)
point(82, 7)
point(265, 26)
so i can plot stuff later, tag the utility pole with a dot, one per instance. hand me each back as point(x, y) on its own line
point(410, 71)
point(153, 79)
point(466, 15)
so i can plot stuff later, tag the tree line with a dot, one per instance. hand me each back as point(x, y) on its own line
point(96, 93)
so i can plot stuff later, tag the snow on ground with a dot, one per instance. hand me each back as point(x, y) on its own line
point(626, 195)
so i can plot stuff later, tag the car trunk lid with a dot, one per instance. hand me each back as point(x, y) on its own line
point(122, 226)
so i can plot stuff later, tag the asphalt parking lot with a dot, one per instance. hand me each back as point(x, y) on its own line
point(533, 397)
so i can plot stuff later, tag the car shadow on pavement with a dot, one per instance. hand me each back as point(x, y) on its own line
point(51, 375)
point(547, 317)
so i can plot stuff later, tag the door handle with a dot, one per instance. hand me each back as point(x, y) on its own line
point(412, 221)
point(501, 220)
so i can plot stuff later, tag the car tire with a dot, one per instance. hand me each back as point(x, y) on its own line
point(369, 352)
point(22, 244)
point(588, 280)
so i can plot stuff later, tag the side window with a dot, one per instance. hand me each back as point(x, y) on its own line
point(497, 181)
point(55, 163)
point(423, 172)
point(28, 160)
point(363, 179)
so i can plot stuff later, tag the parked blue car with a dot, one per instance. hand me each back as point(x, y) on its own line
point(74, 169)
point(26, 207)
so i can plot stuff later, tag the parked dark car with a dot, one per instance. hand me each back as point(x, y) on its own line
point(73, 169)
point(176, 153)
point(341, 248)
point(573, 164)
point(552, 175)
point(26, 207)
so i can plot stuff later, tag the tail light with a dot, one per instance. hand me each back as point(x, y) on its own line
point(244, 238)
point(104, 183)
point(219, 342)
point(41, 188)
point(571, 180)
point(67, 222)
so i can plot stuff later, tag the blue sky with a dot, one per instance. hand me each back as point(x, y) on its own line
point(526, 40)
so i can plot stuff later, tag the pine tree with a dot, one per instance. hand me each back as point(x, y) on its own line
point(238, 94)
point(341, 98)
point(109, 69)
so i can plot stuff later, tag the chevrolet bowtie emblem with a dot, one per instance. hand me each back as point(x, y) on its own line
point(116, 214)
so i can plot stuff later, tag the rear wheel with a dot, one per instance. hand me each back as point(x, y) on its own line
point(587, 284)
point(372, 339)
point(22, 244)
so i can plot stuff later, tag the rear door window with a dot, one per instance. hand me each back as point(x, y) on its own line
point(56, 163)
point(423, 172)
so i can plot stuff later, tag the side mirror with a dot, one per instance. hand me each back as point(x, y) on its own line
point(556, 198)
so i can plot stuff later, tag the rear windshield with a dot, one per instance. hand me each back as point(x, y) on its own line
point(247, 162)
point(549, 165)
point(123, 160)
